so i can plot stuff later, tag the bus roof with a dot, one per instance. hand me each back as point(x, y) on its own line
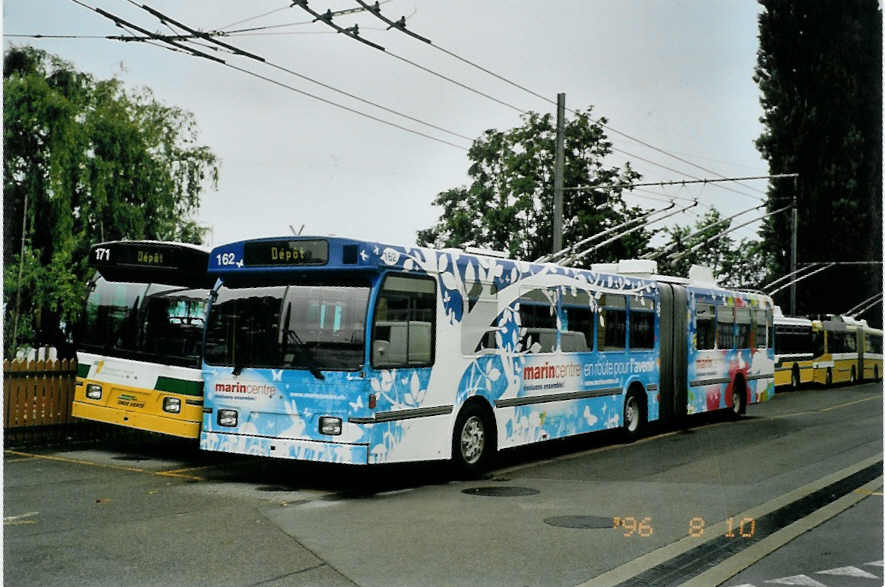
point(150, 261)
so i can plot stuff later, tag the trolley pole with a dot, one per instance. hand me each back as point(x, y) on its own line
point(793, 241)
point(557, 173)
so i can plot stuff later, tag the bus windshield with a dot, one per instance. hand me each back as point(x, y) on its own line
point(297, 326)
point(153, 322)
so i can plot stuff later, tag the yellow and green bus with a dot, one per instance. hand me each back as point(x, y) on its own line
point(846, 351)
point(794, 350)
point(139, 347)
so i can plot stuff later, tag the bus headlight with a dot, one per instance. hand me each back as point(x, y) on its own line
point(227, 418)
point(172, 405)
point(330, 425)
point(93, 391)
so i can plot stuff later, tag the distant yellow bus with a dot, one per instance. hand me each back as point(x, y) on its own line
point(846, 351)
point(793, 350)
point(139, 347)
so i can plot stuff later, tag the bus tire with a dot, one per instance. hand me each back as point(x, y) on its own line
point(852, 379)
point(876, 373)
point(738, 399)
point(795, 381)
point(634, 415)
point(473, 441)
point(829, 376)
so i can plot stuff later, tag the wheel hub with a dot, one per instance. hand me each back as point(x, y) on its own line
point(472, 440)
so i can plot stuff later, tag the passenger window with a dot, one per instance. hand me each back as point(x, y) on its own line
point(537, 317)
point(725, 327)
point(705, 326)
point(577, 323)
point(642, 323)
point(611, 332)
point(405, 317)
point(760, 327)
point(742, 319)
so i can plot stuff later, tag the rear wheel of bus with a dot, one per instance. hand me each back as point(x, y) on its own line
point(473, 441)
point(634, 414)
point(794, 378)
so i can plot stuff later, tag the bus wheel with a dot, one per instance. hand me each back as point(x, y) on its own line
point(634, 415)
point(794, 378)
point(737, 403)
point(473, 441)
point(876, 373)
point(829, 376)
point(853, 377)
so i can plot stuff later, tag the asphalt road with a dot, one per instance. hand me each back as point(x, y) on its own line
point(794, 489)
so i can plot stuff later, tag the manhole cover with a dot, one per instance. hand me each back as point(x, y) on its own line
point(131, 458)
point(501, 491)
point(274, 488)
point(581, 522)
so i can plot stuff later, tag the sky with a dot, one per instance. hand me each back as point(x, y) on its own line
point(676, 74)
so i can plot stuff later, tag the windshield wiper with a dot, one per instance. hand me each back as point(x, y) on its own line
point(305, 350)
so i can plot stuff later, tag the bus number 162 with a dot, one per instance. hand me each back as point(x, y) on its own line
point(226, 258)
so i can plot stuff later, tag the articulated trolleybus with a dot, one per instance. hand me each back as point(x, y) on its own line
point(337, 350)
point(139, 349)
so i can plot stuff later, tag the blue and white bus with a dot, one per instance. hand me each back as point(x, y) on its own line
point(338, 350)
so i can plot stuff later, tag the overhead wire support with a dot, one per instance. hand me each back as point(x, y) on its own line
point(166, 19)
point(719, 235)
point(702, 230)
point(565, 251)
point(326, 17)
point(400, 24)
point(182, 48)
point(124, 24)
point(683, 182)
point(578, 256)
point(163, 17)
point(798, 279)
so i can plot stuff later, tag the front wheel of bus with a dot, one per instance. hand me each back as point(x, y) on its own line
point(794, 378)
point(737, 404)
point(853, 377)
point(829, 376)
point(473, 442)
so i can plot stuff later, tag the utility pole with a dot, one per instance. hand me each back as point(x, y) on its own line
point(794, 240)
point(557, 173)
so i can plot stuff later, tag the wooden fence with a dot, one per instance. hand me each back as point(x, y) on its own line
point(37, 397)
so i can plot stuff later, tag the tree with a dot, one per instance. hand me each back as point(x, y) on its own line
point(85, 161)
point(742, 264)
point(819, 69)
point(509, 204)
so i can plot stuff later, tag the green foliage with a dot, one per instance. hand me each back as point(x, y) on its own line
point(508, 205)
point(819, 69)
point(742, 264)
point(85, 161)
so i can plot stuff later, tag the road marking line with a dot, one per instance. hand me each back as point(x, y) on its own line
point(667, 552)
point(20, 517)
point(797, 580)
point(102, 465)
point(837, 406)
point(848, 572)
point(7, 461)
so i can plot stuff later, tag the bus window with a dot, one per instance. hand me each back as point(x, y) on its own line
point(876, 344)
point(760, 327)
point(577, 323)
point(850, 342)
point(642, 323)
point(742, 319)
point(537, 319)
point(725, 327)
point(705, 319)
point(611, 333)
point(818, 343)
point(404, 322)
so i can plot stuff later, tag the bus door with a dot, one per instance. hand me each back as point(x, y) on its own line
point(673, 352)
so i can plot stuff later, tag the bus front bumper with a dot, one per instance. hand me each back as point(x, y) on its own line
point(148, 422)
point(286, 448)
